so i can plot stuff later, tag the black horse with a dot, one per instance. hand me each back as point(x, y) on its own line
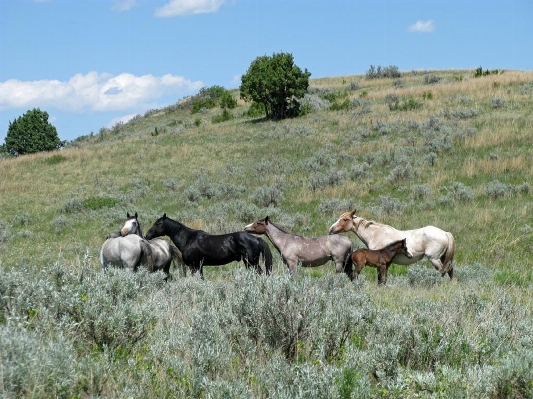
point(199, 248)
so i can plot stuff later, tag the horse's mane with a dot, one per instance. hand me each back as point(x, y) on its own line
point(282, 229)
point(367, 223)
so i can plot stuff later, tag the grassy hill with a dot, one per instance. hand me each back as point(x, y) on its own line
point(441, 147)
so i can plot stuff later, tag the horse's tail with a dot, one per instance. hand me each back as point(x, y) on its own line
point(178, 257)
point(348, 263)
point(267, 255)
point(447, 258)
point(103, 261)
point(146, 250)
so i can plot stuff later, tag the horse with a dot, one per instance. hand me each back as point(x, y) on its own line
point(430, 241)
point(310, 252)
point(379, 258)
point(162, 251)
point(200, 249)
point(127, 252)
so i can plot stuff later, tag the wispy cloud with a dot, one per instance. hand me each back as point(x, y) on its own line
point(123, 5)
point(187, 7)
point(423, 26)
point(94, 92)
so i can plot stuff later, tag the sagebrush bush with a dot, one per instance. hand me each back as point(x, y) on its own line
point(497, 189)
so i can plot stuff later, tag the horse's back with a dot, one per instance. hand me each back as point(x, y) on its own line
point(121, 250)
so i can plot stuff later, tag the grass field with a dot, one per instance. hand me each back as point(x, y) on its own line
point(439, 147)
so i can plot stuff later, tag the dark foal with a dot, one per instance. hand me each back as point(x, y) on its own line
point(381, 258)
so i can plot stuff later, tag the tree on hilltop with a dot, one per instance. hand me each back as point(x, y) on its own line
point(31, 133)
point(277, 83)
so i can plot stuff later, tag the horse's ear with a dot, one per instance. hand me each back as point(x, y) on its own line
point(352, 213)
point(128, 215)
point(164, 215)
point(136, 216)
point(266, 220)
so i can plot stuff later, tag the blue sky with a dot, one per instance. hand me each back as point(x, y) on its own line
point(90, 64)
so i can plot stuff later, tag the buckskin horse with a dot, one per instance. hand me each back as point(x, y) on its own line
point(438, 245)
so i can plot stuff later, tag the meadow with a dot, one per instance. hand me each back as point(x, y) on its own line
point(443, 148)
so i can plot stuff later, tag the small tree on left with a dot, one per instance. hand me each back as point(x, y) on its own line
point(31, 133)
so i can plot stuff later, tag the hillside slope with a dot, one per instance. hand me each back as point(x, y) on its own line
point(441, 148)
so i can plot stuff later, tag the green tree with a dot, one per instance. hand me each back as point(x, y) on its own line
point(31, 133)
point(276, 83)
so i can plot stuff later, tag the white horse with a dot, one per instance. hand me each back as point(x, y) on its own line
point(162, 251)
point(430, 241)
point(126, 252)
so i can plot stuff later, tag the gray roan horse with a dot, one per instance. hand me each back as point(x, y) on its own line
point(312, 252)
point(162, 251)
point(127, 252)
point(127, 248)
point(430, 241)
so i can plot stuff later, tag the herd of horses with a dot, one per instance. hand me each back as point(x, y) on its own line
point(129, 249)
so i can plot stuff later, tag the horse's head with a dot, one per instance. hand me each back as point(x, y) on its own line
point(343, 224)
point(131, 226)
point(158, 229)
point(258, 227)
point(404, 250)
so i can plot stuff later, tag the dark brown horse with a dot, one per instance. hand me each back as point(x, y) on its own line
point(380, 258)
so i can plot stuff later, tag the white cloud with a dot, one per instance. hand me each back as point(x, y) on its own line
point(120, 119)
point(188, 7)
point(123, 5)
point(423, 26)
point(94, 92)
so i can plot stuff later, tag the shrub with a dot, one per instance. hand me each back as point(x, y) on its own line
point(379, 72)
point(421, 192)
point(480, 72)
point(431, 79)
point(334, 205)
point(360, 171)
point(267, 195)
point(255, 110)
point(321, 180)
point(223, 117)
point(457, 192)
point(34, 363)
point(55, 159)
point(277, 83)
point(31, 133)
point(96, 203)
point(391, 206)
point(60, 223)
point(497, 189)
point(498, 103)
point(401, 173)
point(227, 100)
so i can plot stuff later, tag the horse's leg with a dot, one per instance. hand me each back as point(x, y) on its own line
point(450, 272)
point(382, 274)
point(292, 264)
point(166, 269)
point(437, 264)
point(358, 267)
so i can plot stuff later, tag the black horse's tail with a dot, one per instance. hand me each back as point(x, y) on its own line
point(348, 263)
point(267, 256)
